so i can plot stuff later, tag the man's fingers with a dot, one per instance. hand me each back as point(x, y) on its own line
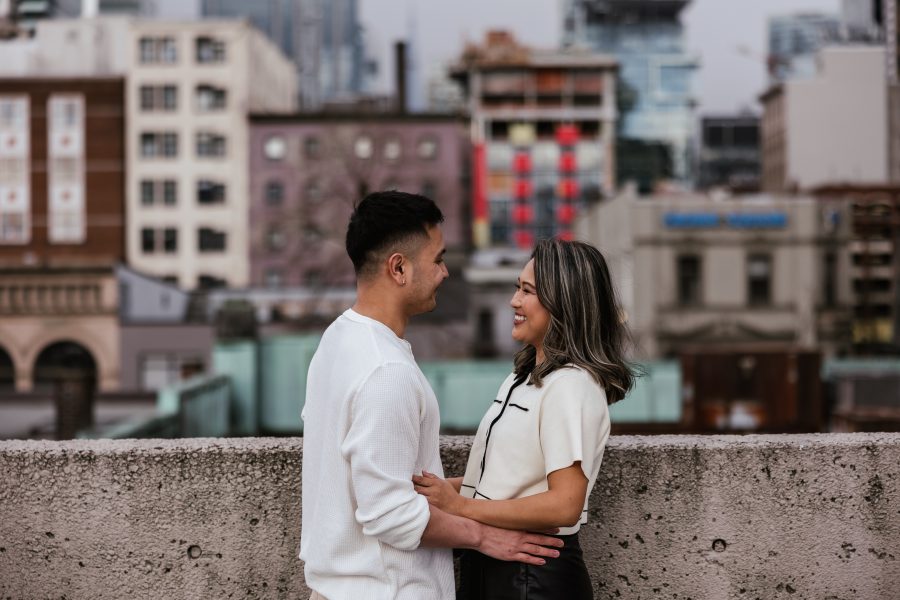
point(544, 540)
point(529, 559)
point(536, 550)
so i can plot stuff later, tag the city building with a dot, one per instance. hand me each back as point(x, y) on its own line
point(875, 262)
point(831, 128)
point(762, 273)
point(306, 172)
point(794, 41)
point(62, 229)
point(656, 71)
point(543, 135)
point(863, 20)
point(308, 169)
point(729, 153)
point(191, 86)
point(323, 39)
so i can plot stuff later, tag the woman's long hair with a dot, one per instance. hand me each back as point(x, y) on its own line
point(586, 327)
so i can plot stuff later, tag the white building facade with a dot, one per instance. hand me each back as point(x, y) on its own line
point(190, 89)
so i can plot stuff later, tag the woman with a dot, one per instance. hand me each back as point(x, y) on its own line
point(538, 449)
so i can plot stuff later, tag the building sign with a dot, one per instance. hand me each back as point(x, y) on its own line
point(15, 170)
point(705, 220)
point(66, 162)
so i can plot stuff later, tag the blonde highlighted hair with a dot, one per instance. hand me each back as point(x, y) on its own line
point(586, 328)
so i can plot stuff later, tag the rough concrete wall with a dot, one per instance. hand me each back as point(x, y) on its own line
point(800, 517)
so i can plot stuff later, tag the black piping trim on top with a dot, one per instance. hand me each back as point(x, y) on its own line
point(517, 406)
point(519, 380)
point(477, 493)
point(468, 486)
point(498, 401)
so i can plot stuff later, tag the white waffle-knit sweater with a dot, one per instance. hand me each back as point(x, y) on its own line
point(370, 421)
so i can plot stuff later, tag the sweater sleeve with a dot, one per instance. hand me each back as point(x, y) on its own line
point(382, 446)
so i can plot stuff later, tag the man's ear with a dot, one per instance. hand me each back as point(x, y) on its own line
point(396, 263)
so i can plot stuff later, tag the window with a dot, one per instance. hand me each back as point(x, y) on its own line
point(159, 97)
point(210, 240)
point(157, 50)
point(210, 98)
point(313, 191)
point(429, 189)
point(208, 282)
point(169, 97)
point(147, 192)
point(274, 278)
point(159, 144)
point(156, 192)
point(210, 192)
point(148, 241)
point(167, 236)
point(275, 239)
point(170, 144)
point(275, 147)
point(311, 147)
point(829, 280)
point(210, 50)
point(274, 192)
point(427, 148)
point(147, 97)
point(170, 240)
point(210, 144)
point(759, 278)
point(169, 192)
point(392, 149)
point(363, 147)
point(689, 280)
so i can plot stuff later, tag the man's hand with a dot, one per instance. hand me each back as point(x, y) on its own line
point(519, 546)
point(440, 492)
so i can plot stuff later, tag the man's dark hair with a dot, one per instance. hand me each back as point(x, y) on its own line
point(382, 220)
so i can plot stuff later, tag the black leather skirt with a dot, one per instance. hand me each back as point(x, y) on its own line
point(562, 578)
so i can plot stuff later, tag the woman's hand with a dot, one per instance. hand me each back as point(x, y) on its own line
point(440, 492)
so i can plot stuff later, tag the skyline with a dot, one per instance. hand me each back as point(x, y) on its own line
point(732, 63)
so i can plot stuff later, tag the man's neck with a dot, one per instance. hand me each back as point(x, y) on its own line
point(370, 303)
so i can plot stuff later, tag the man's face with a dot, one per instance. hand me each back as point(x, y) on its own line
point(427, 271)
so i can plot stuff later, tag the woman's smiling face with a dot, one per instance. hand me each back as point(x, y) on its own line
point(530, 319)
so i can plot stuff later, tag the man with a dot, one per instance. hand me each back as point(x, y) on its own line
point(371, 421)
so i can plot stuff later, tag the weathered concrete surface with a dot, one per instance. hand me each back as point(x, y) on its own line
point(811, 517)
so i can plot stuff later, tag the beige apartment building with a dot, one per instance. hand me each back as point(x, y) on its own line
point(190, 89)
point(757, 272)
point(831, 128)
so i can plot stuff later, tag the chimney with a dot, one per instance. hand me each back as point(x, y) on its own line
point(400, 75)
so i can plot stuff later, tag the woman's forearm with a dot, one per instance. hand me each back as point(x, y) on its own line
point(546, 510)
point(456, 482)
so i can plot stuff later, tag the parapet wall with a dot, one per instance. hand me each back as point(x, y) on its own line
point(796, 516)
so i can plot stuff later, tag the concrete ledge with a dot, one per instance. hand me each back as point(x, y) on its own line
point(801, 516)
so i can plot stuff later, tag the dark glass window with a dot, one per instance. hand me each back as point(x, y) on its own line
point(759, 279)
point(170, 240)
point(689, 280)
point(210, 240)
point(148, 240)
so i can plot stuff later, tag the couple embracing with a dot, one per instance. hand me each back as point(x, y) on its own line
point(379, 519)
